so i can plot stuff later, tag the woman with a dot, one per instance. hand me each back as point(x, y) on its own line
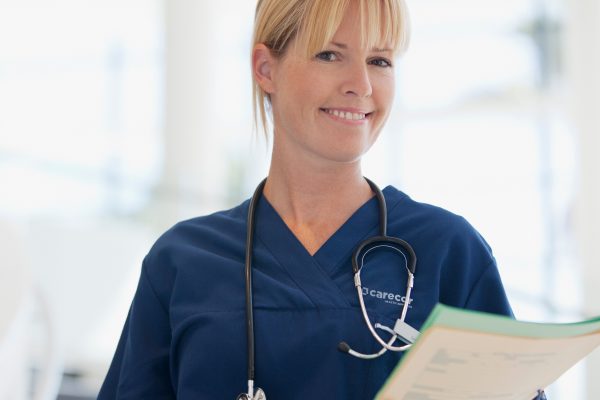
point(325, 70)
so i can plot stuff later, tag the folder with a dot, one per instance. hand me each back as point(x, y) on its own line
point(462, 354)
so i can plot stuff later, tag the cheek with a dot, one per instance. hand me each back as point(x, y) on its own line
point(309, 85)
point(385, 97)
point(296, 92)
point(387, 87)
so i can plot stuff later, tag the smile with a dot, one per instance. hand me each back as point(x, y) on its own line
point(346, 115)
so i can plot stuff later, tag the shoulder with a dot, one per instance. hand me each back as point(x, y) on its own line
point(430, 222)
point(215, 233)
point(443, 241)
point(453, 257)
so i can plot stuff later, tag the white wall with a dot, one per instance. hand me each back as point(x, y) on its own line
point(207, 73)
point(583, 63)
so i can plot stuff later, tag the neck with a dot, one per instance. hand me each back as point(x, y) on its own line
point(312, 198)
point(297, 195)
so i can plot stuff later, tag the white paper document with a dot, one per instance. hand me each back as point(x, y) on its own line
point(463, 355)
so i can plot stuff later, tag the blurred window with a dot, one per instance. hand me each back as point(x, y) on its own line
point(80, 90)
point(479, 129)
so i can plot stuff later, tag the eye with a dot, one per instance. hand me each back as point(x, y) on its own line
point(327, 56)
point(381, 62)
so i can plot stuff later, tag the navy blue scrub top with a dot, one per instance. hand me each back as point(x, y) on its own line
point(185, 334)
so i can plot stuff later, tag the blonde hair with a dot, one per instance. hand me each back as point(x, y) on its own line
point(314, 22)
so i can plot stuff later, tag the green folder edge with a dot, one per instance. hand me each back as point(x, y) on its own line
point(477, 321)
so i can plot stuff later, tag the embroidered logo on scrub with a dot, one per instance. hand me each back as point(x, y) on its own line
point(388, 297)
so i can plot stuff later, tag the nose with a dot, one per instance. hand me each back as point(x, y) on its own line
point(357, 81)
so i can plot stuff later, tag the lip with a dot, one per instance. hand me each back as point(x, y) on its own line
point(352, 122)
point(348, 109)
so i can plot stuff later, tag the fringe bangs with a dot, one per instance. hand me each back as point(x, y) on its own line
point(383, 23)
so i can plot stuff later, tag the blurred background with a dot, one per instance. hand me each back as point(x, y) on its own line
point(119, 118)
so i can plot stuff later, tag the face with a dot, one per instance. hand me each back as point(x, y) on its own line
point(332, 106)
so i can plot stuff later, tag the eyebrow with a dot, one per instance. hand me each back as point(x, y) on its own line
point(344, 46)
point(340, 45)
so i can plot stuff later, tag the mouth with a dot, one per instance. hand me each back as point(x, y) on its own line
point(347, 115)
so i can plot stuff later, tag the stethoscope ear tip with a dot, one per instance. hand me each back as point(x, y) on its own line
point(343, 347)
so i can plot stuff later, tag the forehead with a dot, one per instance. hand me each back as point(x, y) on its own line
point(375, 24)
point(347, 35)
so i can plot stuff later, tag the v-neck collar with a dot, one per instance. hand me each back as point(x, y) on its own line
point(314, 273)
point(363, 223)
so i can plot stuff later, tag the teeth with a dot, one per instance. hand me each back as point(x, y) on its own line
point(346, 114)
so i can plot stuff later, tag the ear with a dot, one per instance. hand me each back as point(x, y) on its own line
point(262, 67)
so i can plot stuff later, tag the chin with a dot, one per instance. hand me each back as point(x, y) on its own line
point(344, 156)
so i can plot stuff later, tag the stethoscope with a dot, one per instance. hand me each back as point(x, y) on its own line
point(401, 330)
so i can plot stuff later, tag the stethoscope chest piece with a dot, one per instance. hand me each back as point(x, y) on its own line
point(259, 395)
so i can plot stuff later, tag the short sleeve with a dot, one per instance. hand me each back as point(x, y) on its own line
point(488, 294)
point(140, 367)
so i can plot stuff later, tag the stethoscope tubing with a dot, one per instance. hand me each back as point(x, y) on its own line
point(249, 287)
point(382, 238)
